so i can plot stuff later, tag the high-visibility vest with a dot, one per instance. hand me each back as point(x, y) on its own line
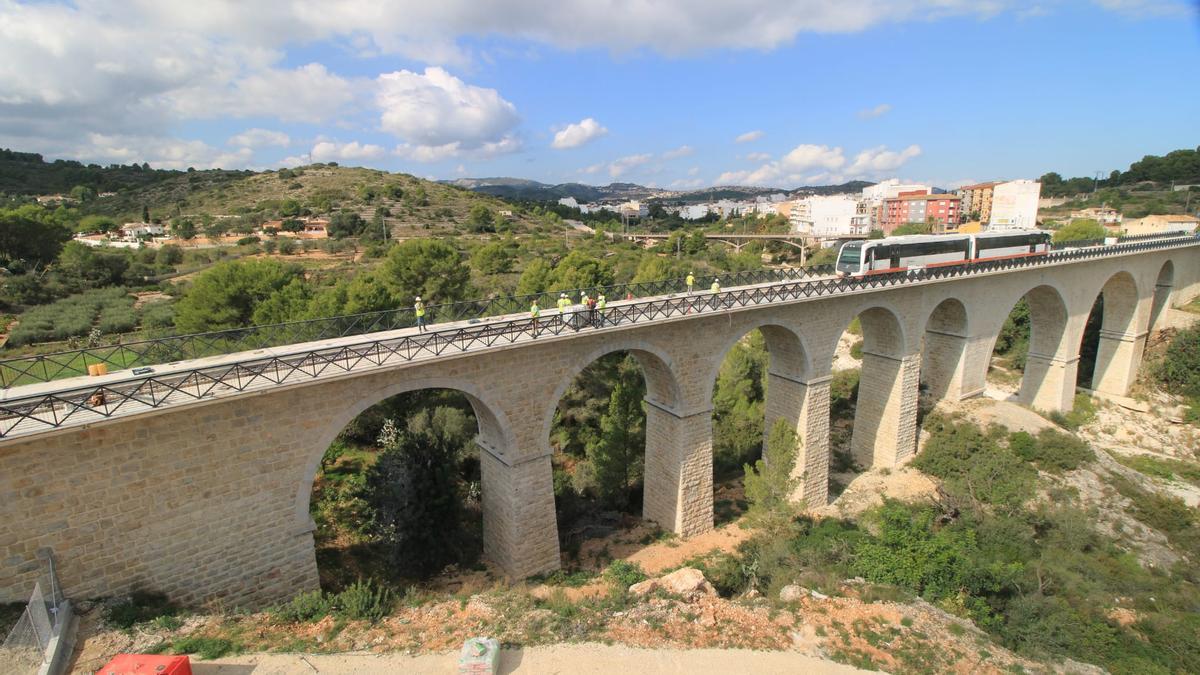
point(691, 280)
point(600, 304)
point(562, 305)
point(716, 288)
point(535, 311)
point(420, 307)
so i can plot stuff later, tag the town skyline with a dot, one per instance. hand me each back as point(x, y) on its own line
point(671, 97)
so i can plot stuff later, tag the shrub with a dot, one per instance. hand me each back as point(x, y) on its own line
point(362, 601)
point(141, 606)
point(624, 573)
point(305, 607)
point(1082, 411)
point(1179, 371)
point(974, 466)
point(1051, 450)
point(204, 647)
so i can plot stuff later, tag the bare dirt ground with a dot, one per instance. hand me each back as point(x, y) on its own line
point(581, 658)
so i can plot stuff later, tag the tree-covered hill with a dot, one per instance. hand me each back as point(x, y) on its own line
point(27, 173)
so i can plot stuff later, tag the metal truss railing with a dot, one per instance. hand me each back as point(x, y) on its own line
point(170, 348)
point(35, 413)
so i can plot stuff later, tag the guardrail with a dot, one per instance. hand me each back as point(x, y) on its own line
point(168, 348)
point(36, 413)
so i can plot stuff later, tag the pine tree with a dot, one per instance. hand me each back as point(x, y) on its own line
point(617, 458)
point(770, 484)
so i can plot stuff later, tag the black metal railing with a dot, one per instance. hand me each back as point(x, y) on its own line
point(24, 415)
point(119, 355)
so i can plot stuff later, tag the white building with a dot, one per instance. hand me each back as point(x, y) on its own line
point(132, 231)
point(634, 209)
point(568, 202)
point(693, 212)
point(1015, 205)
point(833, 216)
point(891, 188)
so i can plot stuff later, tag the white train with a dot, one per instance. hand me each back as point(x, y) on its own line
point(897, 254)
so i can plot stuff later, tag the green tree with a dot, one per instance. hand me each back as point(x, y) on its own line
point(29, 239)
point(618, 456)
point(429, 268)
point(345, 224)
point(770, 484)
point(1080, 229)
point(368, 293)
point(97, 223)
point(226, 295)
point(414, 498)
point(580, 269)
point(493, 258)
point(535, 278)
point(184, 229)
point(912, 228)
point(287, 304)
point(654, 268)
point(480, 219)
point(83, 193)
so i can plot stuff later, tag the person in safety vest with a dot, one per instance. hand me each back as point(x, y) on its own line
point(601, 303)
point(591, 307)
point(691, 281)
point(534, 313)
point(715, 288)
point(419, 310)
point(563, 303)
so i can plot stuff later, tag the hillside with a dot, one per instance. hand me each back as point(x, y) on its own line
point(27, 173)
point(411, 203)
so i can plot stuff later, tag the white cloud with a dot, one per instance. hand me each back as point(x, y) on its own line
point(694, 171)
point(877, 111)
point(258, 138)
point(160, 152)
point(594, 168)
point(758, 156)
point(687, 183)
point(681, 151)
point(577, 134)
point(325, 151)
point(749, 136)
point(881, 160)
point(440, 116)
point(621, 166)
point(820, 163)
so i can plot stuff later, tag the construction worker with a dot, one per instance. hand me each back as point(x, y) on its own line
point(419, 310)
point(715, 288)
point(601, 303)
point(591, 306)
point(563, 303)
point(534, 313)
point(586, 302)
point(691, 281)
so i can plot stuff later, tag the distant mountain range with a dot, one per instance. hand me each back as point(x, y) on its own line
point(531, 190)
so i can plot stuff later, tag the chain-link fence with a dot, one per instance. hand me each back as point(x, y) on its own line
point(26, 647)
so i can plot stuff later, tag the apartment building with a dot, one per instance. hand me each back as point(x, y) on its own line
point(938, 210)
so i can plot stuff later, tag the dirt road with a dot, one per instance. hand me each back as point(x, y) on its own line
point(576, 659)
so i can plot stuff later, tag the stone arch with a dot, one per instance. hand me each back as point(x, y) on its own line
point(495, 432)
point(944, 344)
point(1048, 382)
point(662, 383)
point(1163, 287)
point(1119, 345)
point(786, 347)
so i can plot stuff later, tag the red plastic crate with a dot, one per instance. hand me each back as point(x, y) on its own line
point(146, 664)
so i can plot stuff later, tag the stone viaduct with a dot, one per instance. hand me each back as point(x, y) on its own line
point(210, 500)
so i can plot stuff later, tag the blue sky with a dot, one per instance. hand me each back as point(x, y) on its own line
point(944, 91)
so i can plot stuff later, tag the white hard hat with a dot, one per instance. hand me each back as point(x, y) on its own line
point(418, 297)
